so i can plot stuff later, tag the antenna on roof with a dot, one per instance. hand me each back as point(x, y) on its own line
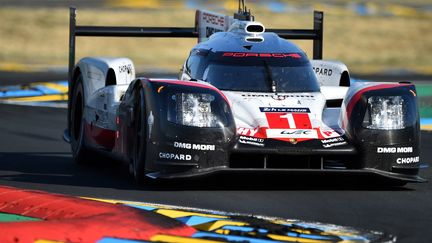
point(243, 13)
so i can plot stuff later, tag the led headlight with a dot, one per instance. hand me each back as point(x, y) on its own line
point(193, 110)
point(385, 113)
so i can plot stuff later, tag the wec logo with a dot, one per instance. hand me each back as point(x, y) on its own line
point(292, 133)
point(296, 132)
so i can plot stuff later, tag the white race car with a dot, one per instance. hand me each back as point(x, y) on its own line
point(246, 100)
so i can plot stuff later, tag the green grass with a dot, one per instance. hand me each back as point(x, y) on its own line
point(6, 217)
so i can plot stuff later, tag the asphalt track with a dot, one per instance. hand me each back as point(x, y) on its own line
point(33, 156)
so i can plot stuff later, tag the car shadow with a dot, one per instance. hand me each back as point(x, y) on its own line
point(58, 169)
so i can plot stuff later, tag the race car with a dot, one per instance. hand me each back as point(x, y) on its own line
point(246, 99)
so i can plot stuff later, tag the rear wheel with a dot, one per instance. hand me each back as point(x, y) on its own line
point(80, 153)
point(140, 141)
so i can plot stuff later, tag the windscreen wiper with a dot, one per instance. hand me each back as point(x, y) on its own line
point(269, 77)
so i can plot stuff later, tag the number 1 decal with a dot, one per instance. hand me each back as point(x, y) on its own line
point(278, 120)
point(290, 119)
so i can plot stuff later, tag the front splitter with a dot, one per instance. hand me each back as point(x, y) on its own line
point(291, 172)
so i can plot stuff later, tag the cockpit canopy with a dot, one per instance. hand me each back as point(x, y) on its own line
point(253, 72)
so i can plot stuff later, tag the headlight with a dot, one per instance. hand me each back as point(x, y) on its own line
point(385, 113)
point(193, 110)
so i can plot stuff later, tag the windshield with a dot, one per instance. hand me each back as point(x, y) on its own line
point(260, 72)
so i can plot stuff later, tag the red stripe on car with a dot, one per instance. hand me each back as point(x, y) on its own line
point(100, 136)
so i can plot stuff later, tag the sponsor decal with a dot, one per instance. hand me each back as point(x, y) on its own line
point(408, 160)
point(291, 133)
point(281, 120)
point(172, 156)
point(210, 31)
point(329, 133)
point(251, 141)
point(250, 54)
point(323, 71)
point(277, 96)
point(285, 109)
point(213, 19)
point(125, 68)
point(195, 146)
point(394, 150)
point(333, 142)
point(247, 131)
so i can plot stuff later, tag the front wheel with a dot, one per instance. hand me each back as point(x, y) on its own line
point(140, 139)
point(80, 153)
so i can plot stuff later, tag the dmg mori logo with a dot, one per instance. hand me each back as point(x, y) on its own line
point(394, 150)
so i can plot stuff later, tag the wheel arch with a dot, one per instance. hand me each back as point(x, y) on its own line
point(111, 78)
point(345, 80)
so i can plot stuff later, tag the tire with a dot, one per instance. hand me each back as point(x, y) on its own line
point(140, 139)
point(80, 154)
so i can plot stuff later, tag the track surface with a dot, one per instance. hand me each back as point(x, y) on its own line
point(33, 155)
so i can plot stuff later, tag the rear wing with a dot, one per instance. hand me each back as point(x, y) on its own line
point(206, 23)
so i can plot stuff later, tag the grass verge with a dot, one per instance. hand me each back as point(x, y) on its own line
point(365, 44)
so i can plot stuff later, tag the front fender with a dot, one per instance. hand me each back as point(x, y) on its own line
point(174, 146)
point(393, 150)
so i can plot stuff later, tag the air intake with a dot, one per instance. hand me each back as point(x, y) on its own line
point(254, 39)
point(255, 28)
point(247, 27)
